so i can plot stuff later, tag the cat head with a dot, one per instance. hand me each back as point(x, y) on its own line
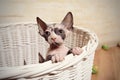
point(56, 33)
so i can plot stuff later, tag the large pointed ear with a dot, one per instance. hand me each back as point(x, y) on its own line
point(41, 25)
point(68, 21)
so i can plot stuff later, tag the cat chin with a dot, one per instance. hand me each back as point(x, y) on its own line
point(56, 44)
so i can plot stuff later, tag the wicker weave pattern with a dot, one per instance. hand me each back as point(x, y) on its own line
point(19, 42)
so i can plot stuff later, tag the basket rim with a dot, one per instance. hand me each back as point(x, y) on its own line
point(31, 22)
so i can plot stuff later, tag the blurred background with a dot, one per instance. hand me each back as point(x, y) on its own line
point(99, 16)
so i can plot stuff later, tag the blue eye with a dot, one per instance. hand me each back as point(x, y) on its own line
point(60, 31)
point(47, 33)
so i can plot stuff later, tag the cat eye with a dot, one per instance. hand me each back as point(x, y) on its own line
point(61, 31)
point(47, 32)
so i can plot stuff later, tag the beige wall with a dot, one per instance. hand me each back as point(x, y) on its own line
point(100, 16)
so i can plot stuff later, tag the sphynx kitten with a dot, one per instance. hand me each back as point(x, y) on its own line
point(55, 35)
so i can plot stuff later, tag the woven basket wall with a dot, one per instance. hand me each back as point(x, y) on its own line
point(21, 42)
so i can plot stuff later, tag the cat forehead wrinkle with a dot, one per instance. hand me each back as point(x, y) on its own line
point(55, 25)
point(52, 25)
point(59, 26)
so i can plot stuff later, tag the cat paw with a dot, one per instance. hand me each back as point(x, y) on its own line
point(57, 58)
point(77, 50)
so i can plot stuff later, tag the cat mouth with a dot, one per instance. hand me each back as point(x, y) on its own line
point(56, 44)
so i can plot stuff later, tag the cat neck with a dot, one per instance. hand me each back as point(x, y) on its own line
point(54, 47)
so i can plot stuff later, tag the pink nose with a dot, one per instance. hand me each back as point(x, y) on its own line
point(53, 39)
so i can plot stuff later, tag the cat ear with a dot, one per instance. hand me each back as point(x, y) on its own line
point(41, 25)
point(68, 21)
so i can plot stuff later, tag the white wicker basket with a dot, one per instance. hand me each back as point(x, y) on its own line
point(19, 42)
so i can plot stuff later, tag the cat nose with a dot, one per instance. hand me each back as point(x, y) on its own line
point(53, 39)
